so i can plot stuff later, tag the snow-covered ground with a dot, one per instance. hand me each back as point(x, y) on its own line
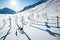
point(38, 23)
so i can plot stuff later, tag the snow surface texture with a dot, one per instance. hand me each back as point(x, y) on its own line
point(39, 23)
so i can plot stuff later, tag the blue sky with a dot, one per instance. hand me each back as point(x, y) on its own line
point(16, 5)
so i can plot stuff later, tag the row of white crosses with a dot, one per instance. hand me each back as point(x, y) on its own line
point(20, 26)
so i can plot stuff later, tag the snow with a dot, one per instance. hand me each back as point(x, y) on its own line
point(36, 27)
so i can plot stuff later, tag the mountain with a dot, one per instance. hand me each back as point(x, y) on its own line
point(33, 5)
point(7, 11)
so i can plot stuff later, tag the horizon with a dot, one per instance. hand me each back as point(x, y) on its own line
point(16, 5)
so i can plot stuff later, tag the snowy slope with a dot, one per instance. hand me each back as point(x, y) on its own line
point(38, 23)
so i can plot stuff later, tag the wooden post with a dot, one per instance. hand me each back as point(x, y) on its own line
point(46, 17)
point(57, 22)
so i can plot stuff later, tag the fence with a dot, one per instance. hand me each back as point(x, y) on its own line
point(48, 17)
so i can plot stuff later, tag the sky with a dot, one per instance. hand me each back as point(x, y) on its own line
point(16, 5)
